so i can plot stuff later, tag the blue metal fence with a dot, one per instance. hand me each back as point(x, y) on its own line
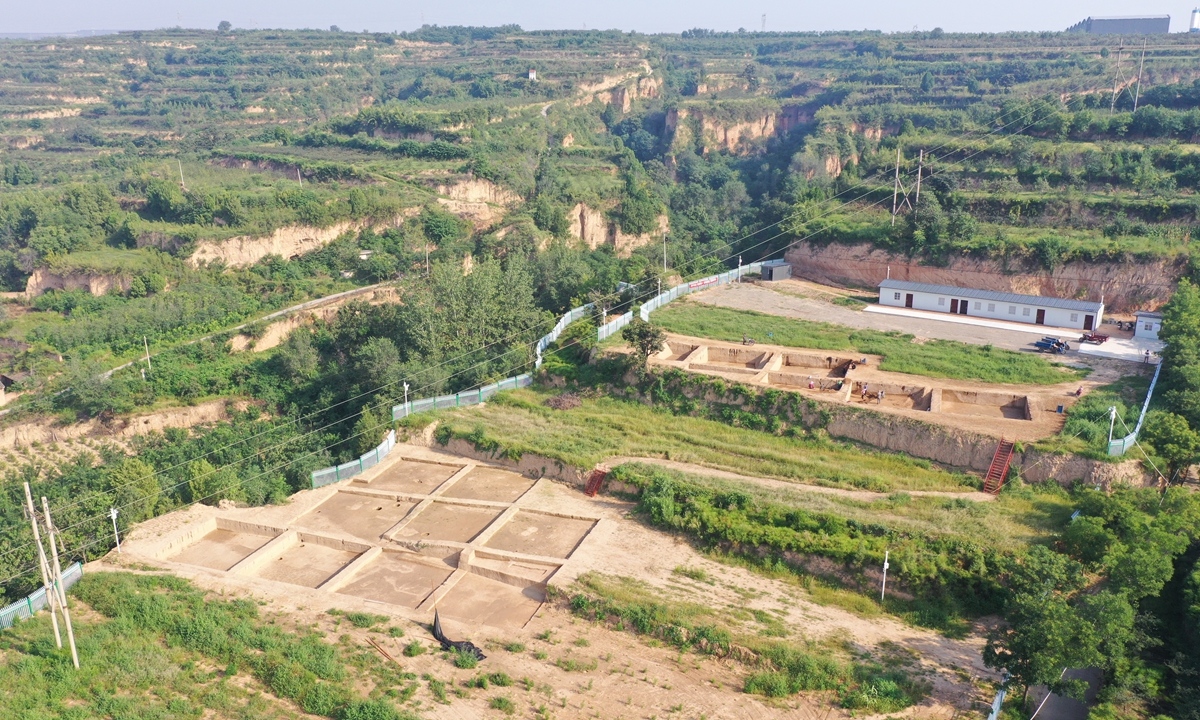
point(1120, 445)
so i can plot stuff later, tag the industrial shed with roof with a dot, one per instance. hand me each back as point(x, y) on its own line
point(1032, 309)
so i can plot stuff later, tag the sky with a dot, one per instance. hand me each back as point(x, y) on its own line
point(661, 16)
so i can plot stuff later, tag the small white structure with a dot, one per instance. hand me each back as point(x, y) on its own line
point(1195, 21)
point(532, 74)
point(1032, 309)
point(1148, 325)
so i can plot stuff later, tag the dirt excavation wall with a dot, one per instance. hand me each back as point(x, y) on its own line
point(44, 279)
point(1124, 286)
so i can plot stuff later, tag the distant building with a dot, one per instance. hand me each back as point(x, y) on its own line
point(532, 74)
point(1148, 325)
point(1033, 309)
point(1146, 25)
point(1195, 21)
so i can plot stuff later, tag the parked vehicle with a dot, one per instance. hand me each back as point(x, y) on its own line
point(1052, 345)
point(1095, 338)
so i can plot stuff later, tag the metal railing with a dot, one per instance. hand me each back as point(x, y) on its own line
point(26, 608)
point(1120, 445)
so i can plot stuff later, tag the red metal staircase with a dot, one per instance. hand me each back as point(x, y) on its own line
point(998, 471)
point(595, 481)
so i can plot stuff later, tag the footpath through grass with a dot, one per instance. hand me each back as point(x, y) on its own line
point(519, 422)
point(934, 358)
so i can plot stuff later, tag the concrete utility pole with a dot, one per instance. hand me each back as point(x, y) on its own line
point(60, 587)
point(896, 185)
point(883, 590)
point(1117, 78)
point(664, 253)
point(182, 184)
point(1112, 419)
point(406, 399)
point(920, 171)
point(112, 513)
point(37, 537)
point(146, 344)
point(1141, 65)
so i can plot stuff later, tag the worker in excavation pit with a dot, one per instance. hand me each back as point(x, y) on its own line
point(880, 397)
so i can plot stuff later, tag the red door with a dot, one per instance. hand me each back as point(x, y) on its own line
point(954, 307)
point(1087, 321)
point(1041, 317)
point(908, 300)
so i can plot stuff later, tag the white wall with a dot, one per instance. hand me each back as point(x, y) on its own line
point(993, 310)
point(1140, 330)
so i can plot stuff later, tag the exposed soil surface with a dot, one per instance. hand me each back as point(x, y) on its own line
point(577, 669)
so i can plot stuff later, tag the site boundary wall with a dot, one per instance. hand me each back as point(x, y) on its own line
point(28, 607)
point(1120, 445)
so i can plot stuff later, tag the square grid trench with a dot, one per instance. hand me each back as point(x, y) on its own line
point(450, 535)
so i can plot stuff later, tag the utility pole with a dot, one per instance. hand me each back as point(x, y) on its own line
point(920, 170)
point(112, 513)
point(426, 257)
point(1116, 81)
point(1112, 419)
point(37, 537)
point(664, 253)
point(883, 590)
point(59, 585)
point(1141, 64)
point(298, 178)
point(764, 22)
point(896, 185)
point(405, 398)
point(182, 184)
point(146, 344)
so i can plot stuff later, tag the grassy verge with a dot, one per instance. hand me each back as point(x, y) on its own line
point(518, 422)
point(155, 647)
point(935, 358)
point(780, 668)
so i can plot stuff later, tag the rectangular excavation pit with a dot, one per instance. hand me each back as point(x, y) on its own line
point(513, 572)
point(535, 533)
point(738, 358)
point(400, 578)
point(309, 562)
point(412, 477)
point(906, 397)
point(826, 365)
point(360, 516)
point(222, 548)
point(488, 483)
point(801, 381)
point(985, 404)
point(475, 599)
point(676, 351)
point(447, 521)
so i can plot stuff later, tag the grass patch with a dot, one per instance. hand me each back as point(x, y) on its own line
point(414, 649)
point(797, 666)
point(502, 704)
point(935, 358)
point(157, 647)
point(517, 422)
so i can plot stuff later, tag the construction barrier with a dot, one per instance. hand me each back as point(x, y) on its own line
point(679, 291)
point(25, 609)
point(1120, 445)
point(328, 476)
point(552, 336)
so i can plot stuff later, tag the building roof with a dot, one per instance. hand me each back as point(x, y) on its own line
point(1148, 314)
point(1039, 300)
point(775, 263)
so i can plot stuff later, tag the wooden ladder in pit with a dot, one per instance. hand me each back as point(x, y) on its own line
point(998, 470)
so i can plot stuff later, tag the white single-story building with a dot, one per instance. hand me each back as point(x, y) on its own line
point(1148, 324)
point(1033, 309)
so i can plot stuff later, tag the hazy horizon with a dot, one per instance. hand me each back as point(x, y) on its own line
point(1020, 15)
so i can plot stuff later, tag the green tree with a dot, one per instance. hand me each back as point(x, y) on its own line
point(927, 82)
point(135, 489)
point(224, 26)
point(1174, 440)
point(1181, 356)
point(209, 485)
point(368, 431)
point(645, 340)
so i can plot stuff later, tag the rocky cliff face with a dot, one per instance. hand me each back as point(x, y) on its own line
point(44, 279)
point(733, 137)
point(476, 190)
point(287, 242)
point(594, 229)
point(1123, 286)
